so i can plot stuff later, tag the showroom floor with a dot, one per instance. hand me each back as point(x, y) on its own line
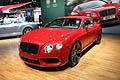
point(101, 62)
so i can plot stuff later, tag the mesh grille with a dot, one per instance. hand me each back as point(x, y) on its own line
point(29, 48)
point(107, 12)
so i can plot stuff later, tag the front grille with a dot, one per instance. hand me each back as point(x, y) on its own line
point(108, 12)
point(30, 61)
point(29, 48)
point(104, 21)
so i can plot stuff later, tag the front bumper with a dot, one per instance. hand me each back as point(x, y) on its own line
point(45, 60)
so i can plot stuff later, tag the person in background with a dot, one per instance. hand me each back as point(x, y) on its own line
point(1, 20)
point(21, 18)
point(6, 20)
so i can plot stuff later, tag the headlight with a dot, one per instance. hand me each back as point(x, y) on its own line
point(88, 15)
point(93, 14)
point(118, 8)
point(59, 46)
point(48, 48)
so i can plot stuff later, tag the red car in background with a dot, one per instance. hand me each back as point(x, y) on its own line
point(59, 42)
point(105, 12)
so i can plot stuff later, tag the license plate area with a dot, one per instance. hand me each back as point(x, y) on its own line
point(109, 17)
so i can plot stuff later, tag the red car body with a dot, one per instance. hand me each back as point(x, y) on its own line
point(105, 13)
point(33, 50)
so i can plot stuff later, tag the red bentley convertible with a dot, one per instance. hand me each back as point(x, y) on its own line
point(59, 42)
point(104, 11)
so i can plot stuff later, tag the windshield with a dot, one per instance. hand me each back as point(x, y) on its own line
point(65, 23)
point(88, 5)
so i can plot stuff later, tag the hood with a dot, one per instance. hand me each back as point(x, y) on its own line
point(44, 35)
point(96, 9)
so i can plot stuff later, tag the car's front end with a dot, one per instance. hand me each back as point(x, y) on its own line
point(43, 56)
point(100, 11)
point(103, 15)
point(51, 50)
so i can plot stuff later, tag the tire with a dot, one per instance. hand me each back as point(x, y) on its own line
point(28, 29)
point(75, 54)
point(98, 41)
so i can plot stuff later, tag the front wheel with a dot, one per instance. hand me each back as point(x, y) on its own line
point(28, 29)
point(75, 54)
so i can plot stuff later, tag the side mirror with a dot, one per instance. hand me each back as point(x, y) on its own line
point(89, 26)
point(87, 22)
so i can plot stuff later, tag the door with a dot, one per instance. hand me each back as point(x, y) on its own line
point(2, 31)
point(8, 29)
point(90, 30)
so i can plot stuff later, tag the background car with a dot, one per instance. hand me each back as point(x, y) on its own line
point(16, 28)
point(103, 11)
point(59, 42)
point(70, 4)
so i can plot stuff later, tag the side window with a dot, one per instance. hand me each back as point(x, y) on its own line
point(87, 22)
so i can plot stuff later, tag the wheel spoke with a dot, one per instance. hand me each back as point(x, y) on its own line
point(78, 53)
point(75, 54)
point(75, 59)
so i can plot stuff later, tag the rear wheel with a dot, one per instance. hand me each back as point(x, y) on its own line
point(75, 54)
point(28, 29)
point(98, 41)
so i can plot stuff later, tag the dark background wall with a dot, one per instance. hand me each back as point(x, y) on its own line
point(51, 10)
